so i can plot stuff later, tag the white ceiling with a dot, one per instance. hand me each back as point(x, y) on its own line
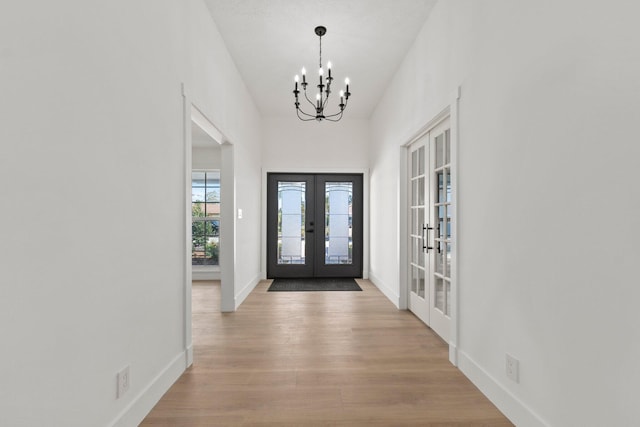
point(271, 40)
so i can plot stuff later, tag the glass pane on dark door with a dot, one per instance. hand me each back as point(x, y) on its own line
point(291, 220)
point(338, 223)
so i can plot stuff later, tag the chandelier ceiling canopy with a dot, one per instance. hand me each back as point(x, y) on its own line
point(323, 93)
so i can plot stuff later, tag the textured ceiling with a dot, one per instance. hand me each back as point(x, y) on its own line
point(271, 40)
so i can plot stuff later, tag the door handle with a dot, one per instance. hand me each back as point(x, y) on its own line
point(425, 237)
point(309, 230)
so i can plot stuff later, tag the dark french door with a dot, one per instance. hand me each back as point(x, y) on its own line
point(314, 225)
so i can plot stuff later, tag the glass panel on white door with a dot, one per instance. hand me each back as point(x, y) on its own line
point(414, 164)
point(439, 262)
point(439, 294)
point(439, 150)
point(447, 150)
point(291, 212)
point(421, 283)
point(447, 307)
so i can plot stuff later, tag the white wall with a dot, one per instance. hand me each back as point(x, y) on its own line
point(548, 200)
point(206, 158)
point(92, 271)
point(291, 144)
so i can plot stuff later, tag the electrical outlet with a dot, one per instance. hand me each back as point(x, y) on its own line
point(512, 367)
point(124, 381)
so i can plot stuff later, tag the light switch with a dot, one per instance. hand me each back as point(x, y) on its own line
point(239, 213)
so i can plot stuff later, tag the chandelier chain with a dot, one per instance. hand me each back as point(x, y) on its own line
point(320, 51)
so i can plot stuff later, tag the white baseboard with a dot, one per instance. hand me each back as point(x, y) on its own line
point(133, 414)
point(246, 290)
point(205, 275)
point(385, 289)
point(512, 407)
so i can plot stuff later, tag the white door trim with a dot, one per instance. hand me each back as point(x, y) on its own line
point(365, 210)
point(191, 113)
point(451, 111)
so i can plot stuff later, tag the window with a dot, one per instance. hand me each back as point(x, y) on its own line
point(205, 224)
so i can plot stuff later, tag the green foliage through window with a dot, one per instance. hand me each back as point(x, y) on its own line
point(205, 211)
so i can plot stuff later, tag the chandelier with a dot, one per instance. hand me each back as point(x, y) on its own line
point(324, 90)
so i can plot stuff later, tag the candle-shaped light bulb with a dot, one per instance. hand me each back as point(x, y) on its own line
point(320, 71)
point(304, 71)
point(341, 97)
point(346, 81)
point(317, 97)
point(329, 65)
point(297, 79)
point(304, 75)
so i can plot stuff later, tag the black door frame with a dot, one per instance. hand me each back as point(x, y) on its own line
point(314, 226)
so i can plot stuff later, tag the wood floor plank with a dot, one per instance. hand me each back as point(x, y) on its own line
point(317, 359)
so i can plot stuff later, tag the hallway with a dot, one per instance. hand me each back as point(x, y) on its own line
point(317, 359)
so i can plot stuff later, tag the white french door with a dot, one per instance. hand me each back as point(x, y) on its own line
point(430, 228)
point(419, 294)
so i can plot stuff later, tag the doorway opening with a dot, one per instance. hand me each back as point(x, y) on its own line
point(314, 225)
point(205, 205)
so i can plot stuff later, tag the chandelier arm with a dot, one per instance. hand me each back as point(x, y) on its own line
point(299, 110)
point(303, 119)
point(326, 99)
point(334, 120)
point(308, 100)
point(338, 113)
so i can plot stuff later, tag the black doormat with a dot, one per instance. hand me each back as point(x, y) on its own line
point(314, 284)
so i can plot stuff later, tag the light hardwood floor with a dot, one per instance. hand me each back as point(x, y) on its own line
point(317, 359)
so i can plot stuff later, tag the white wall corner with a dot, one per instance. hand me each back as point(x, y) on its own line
point(189, 360)
point(385, 289)
point(148, 397)
point(403, 228)
point(512, 407)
